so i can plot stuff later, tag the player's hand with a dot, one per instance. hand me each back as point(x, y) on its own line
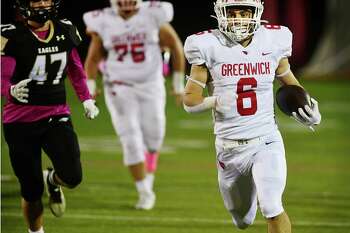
point(308, 116)
point(225, 102)
point(20, 90)
point(178, 98)
point(91, 111)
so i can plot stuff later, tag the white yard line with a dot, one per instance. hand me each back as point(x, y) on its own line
point(180, 220)
point(110, 144)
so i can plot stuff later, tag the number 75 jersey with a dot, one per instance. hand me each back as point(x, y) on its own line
point(134, 54)
point(247, 71)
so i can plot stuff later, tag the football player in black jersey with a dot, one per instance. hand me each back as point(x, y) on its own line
point(36, 56)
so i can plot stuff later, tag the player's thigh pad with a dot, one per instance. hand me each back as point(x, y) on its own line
point(124, 108)
point(269, 173)
point(60, 143)
point(153, 116)
point(24, 144)
point(237, 189)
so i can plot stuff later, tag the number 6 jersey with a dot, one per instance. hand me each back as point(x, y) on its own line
point(247, 71)
point(134, 54)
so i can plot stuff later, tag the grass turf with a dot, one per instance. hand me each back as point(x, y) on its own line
point(317, 196)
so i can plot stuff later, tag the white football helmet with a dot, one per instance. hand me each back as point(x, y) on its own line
point(125, 5)
point(238, 29)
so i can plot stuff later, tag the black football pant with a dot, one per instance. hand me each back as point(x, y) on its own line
point(57, 138)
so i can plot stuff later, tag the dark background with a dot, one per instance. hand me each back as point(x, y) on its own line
point(306, 19)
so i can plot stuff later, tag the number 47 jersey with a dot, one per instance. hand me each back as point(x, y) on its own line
point(43, 60)
point(247, 71)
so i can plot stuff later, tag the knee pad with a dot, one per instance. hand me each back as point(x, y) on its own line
point(133, 149)
point(71, 180)
point(154, 133)
point(270, 209)
point(154, 138)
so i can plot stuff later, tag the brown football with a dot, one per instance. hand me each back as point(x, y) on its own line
point(290, 97)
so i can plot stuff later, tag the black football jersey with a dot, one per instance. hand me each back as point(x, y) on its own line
point(42, 60)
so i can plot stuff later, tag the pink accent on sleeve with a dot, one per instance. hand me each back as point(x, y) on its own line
point(77, 76)
point(8, 65)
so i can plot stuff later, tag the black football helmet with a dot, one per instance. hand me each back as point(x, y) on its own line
point(39, 15)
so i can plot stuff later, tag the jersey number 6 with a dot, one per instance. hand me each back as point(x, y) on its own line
point(248, 95)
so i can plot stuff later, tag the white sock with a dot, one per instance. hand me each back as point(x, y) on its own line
point(142, 186)
point(150, 180)
point(41, 230)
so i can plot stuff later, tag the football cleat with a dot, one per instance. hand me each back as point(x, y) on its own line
point(57, 202)
point(146, 201)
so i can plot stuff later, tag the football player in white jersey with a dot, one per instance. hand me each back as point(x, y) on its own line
point(129, 36)
point(239, 62)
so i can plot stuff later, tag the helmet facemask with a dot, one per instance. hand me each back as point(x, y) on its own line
point(238, 28)
point(37, 14)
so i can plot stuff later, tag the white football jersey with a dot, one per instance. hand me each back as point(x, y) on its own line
point(249, 72)
point(134, 54)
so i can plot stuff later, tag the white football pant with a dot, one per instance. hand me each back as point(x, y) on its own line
point(249, 173)
point(138, 117)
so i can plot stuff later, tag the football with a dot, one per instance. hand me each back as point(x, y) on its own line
point(290, 97)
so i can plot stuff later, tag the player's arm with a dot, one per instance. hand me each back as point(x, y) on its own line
point(169, 38)
point(8, 65)
point(19, 90)
point(94, 57)
point(309, 115)
point(284, 74)
point(77, 76)
point(195, 86)
point(194, 101)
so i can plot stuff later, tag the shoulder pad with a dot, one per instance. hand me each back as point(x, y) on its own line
point(8, 33)
point(197, 45)
point(163, 12)
point(193, 49)
point(93, 19)
point(282, 38)
point(71, 30)
point(7, 30)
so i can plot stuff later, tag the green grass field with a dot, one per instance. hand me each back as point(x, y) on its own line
point(317, 196)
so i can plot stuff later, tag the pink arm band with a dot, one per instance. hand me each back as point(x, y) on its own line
point(77, 76)
point(8, 65)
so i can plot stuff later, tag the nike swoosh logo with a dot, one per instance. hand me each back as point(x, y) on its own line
point(264, 54)
point(268, 143)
